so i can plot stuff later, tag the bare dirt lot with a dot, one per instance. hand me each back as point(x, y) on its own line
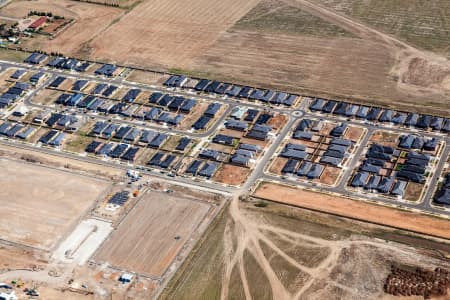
point(230, 174)
point(54, 200)
point(91, 20)
point(355, 209)
point(168, 33)
point(145, 242)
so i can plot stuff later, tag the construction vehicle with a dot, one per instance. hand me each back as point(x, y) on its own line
point(31, 292)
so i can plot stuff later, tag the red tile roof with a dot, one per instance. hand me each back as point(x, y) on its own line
point(38, 23)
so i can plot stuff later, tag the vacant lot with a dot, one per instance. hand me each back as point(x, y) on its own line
point(41, 204)
point(168, 33)
point(232, 175)
point(355, 209)
point(91, 20)
point(145, 242)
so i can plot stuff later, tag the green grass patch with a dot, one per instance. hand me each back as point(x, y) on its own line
point(13, 55)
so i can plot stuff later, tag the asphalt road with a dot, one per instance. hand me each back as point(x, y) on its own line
point(258, 172)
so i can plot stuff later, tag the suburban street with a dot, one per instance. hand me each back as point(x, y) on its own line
point(258, 173)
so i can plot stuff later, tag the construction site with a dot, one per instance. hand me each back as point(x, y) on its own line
point(264, 149)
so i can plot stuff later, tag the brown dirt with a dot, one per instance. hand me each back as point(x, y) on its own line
point(12, 258)
point(146, 77)
point(385, 138)
point(175, 31)
point(330, 175)
point(230, 174)
point(278, 121)
point(355, 209)
point(354, 133)
point(60, 162)
point(413, 191)
point(277, 165)
point(145, 240)
point(51, 205)
point(46, 97)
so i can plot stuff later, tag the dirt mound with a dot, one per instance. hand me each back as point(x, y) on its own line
point(424, 73)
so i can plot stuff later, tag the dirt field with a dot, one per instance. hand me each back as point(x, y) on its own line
point(51, 205)
point(355, 209)
point(296, 62)
point(175, 31)
point(146, 77)
point(282, 252)
point(91, 20)
point(230, 174)
point(145, 240)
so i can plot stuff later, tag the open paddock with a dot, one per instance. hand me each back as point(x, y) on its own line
point(41, 204)
point(145, 241)
point(175, 31)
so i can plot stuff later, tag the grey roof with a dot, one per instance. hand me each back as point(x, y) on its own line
point(210, 154)
point(298, 147)
point(301, 135)
point(315, 171)
point(250, 147)
point(360, 179)
point(385, 184)
point(238, 125)
point(304, 168)
point(208, 169)
point(290, 166)
point(240, 159)
point(334, 161)
point(373, 182)
point(399, 188)
point(294, 154)
point(342, 142)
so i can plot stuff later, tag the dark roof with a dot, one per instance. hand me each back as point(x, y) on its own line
point(290, 166)
point(373, 182)
point(315, 171)
point(360, 179)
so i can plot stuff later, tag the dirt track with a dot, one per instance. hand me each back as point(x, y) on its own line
point(355, 209)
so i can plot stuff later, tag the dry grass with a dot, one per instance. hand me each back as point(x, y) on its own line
point(291, 277)
point(423, 24)
point(260, 286)
point(275, 16)
point(175, 31)
point(200, 276)
point(413, 191)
